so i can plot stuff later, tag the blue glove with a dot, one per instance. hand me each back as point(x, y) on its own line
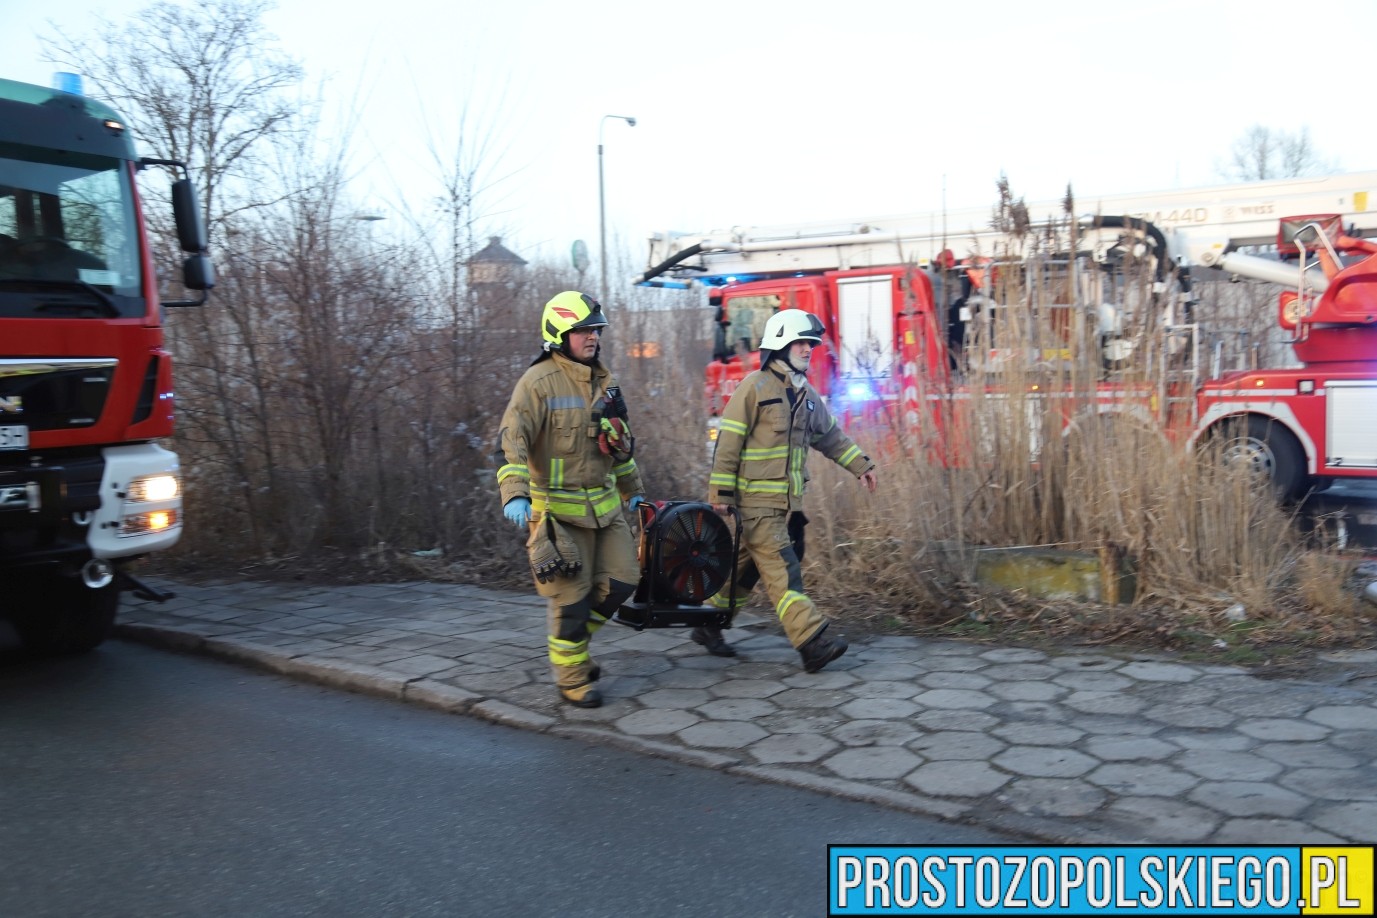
point(518, 510)
point(636, 501)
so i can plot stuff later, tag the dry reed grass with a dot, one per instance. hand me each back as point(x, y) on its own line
point(1041, 461)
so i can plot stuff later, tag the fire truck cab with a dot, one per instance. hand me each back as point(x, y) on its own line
point(85, 382)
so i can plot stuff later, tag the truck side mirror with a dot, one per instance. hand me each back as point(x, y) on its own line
point(719, 342)
point(198, 272)
point(191, 232)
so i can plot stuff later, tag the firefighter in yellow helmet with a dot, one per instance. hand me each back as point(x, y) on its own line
point(759, 467)
point(565, 466)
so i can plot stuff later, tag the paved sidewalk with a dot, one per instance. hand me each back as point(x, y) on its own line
point(1079, 747)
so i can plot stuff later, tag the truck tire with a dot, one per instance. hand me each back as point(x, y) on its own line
point(60, 615)
point(1270, 451)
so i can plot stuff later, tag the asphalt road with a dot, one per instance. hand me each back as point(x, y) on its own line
point(138, 782)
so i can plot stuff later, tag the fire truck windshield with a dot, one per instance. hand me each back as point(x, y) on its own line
point(67, 235)
point(744, 323)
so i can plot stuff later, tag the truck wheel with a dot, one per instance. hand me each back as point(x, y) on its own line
point(1269, 451)
point(64, 616)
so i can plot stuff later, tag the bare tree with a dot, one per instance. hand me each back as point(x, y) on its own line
point(203, 84)
point(338, 397)
point(1262, 153)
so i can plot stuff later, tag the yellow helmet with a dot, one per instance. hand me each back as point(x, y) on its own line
point(567, 311)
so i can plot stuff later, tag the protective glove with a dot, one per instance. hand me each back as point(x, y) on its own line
point(552, 553)
point(615, 440)
point(635, 501)
point(518, 510)
point(546, 563)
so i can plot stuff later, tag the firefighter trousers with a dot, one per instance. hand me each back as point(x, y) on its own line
point(580, 605)
point(768, 556)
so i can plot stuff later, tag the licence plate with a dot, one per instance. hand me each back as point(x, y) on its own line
point(14, 436)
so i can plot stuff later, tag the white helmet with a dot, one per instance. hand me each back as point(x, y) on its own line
point(790, 325)
point(783, 329)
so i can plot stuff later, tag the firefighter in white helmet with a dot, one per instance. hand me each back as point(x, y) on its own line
point(759, 467)
point(565, 466)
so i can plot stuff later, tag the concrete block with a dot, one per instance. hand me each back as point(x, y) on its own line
point(1046, 573)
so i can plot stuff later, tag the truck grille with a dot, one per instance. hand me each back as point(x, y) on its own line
point(56, 394)
point(37, 505)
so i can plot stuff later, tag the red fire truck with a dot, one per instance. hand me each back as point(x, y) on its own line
point(85, 382)
point(1304, 420)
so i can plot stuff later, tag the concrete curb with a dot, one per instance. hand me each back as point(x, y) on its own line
point(649, 747)
point(511, 715)
point(440, 696)
point(353, 677)
point(854, 790)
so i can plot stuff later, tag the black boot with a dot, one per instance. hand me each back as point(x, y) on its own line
point(711, 638)
point(585, 696)
point(820, 649)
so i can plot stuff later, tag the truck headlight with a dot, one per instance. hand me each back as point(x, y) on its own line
point(152, 503)
point(154, 487)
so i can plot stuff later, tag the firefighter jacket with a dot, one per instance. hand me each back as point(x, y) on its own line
point(763, 437)
point(548, 445)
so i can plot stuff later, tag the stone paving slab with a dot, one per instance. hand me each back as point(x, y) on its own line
point(1081, 746)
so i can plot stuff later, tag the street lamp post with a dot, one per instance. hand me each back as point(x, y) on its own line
point(602, 205)
point(369, 217)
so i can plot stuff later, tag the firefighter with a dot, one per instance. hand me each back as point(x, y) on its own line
point(565, 466)
point(759, 468)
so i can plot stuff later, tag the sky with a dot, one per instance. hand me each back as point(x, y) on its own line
point(764, 112)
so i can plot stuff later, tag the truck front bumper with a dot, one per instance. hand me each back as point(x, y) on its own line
point(119, 502)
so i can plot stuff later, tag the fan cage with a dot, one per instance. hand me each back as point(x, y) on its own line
point(691, 552)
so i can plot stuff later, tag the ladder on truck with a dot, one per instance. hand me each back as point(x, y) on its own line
point(1189, 355)
point(1244, 213)
point(1178, 372)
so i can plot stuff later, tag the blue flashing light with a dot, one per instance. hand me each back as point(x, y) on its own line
point(725, 280)
point(67, 82)
point(668, 285)
point(859, 392)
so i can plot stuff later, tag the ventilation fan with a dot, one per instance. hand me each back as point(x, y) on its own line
point(687, 553)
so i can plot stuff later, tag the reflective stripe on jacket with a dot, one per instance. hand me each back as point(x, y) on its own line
point(548, 446)
point(763, 437)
